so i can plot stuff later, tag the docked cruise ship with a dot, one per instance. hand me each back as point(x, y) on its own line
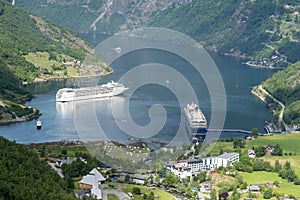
point(196, 121)
point(75, 93)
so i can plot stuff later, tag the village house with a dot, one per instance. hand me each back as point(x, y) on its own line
point(139, 178)
point(251, 153)
point(190, 167)
point(270, 148)
point(68, 161)
point(92, 181)
point(254, 188)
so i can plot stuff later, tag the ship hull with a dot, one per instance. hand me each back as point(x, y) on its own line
point(196, 124)
point(97, 92)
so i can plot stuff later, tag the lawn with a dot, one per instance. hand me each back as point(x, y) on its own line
point(261, 177)
point(221, 146)
point(162, 195)
point(288, 142)
point(71, 150)
point(112, 197)
point(41, 60)
point(270, 177)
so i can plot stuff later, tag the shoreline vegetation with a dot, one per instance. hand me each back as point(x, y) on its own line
point(20, 113)
point(280, 93)
point(41, 52)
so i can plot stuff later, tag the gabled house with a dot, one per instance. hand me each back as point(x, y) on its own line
point(270, 148)
point(92, 182)
point(251, 153)
point(254, 188)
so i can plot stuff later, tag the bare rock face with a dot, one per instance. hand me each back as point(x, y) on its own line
point(98, 15)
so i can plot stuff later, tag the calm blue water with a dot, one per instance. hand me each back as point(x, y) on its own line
point(63, 122)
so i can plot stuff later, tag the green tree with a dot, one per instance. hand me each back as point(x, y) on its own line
point(213, 195)
point(69, 181)
point(151, 196)
point(277, 166)
point(277, 150)
point(136, 190)
point(127, 178)
point(25, 176)
point(260, 151)
point(64, 152)
point(287, 165)
point(200, 177)
point(170, 179)
point(238, 143)
point(235, 195)
point(254, 132)
point(268, 194)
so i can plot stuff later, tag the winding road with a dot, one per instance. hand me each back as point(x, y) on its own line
point(280, 118)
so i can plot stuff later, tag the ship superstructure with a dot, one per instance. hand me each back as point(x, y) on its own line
point(196, 120)
point(75, 93)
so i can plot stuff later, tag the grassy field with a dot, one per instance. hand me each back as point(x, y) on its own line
point(71, 150)
point(162, 195)
point(112, 197)
point(288, 142)
point(41, 60)
point(269, 177)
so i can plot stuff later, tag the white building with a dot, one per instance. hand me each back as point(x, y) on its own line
point(92, 182)
point(185, 168)
point(251, 153)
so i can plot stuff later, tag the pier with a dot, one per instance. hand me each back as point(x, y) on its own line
point(231, 130)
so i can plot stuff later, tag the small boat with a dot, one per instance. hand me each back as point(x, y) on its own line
point(38, 124)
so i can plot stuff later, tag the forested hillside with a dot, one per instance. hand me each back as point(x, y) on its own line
point(23, 35)
point(285, 86)
point(31, 50)
point(24, 176)
point(102, 16)
point(267, 32)
point(256, 29)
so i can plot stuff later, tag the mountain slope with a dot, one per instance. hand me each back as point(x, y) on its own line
point(255, 29)
point(285, 86)
point(24, 176)
point(266, 31)
point(33, 50)
point(103, 16)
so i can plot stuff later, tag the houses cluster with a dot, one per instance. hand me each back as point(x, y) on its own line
point(72, 63)
point(68, 161)
point(191, 167)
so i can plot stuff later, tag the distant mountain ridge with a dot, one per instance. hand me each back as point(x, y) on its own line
point(266, 31)
point(83, 16)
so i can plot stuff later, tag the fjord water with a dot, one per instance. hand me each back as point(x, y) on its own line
point(62, 122)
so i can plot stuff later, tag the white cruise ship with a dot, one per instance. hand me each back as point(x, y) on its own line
point(196, 121)
point(76, 94)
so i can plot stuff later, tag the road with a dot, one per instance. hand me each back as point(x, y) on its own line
point(118, 192)
point(58, 170)
point(280, 118)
